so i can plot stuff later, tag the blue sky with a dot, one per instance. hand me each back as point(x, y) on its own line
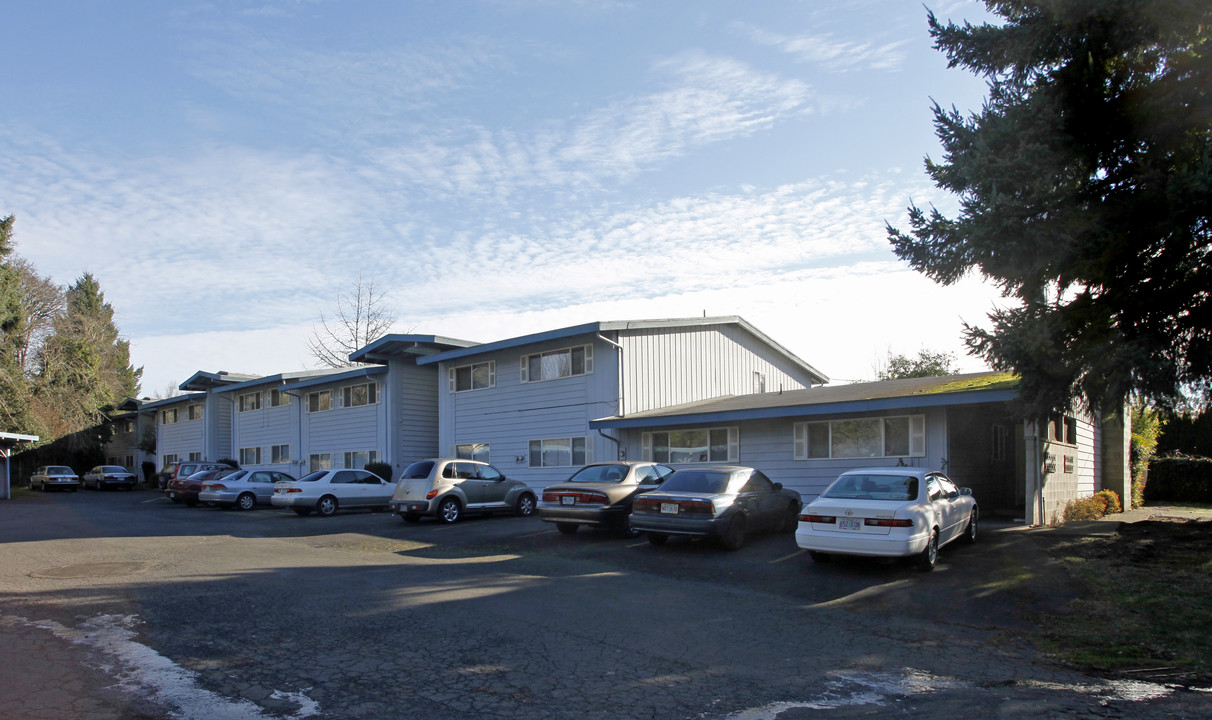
point(226, 168)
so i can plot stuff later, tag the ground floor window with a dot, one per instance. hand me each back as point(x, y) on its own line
point(359, 459)
point(171, 458)
point(319, 461)
point(700, 445)
point(558, 452)
point(279, 454)
point(195, 457)
point(903, 436)
point(473, 451)
point(250, 456)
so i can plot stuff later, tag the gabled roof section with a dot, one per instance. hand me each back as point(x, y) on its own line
point(190, 397)
point(202, 381)
point(286, 378)
point(619, 325)
point(347, 374)
point(938, 391)
point(419, 346)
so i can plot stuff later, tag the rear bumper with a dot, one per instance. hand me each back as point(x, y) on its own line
point(555, 513)
point(674, 525)
point(413, 507)
point(857, 544)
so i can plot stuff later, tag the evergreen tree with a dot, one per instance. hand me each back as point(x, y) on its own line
point(14, 390)
point(1085, 189)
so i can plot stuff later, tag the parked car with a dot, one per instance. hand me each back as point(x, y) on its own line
point(54, 476)
point(186, 489)
point(599, 495)
point(103, 476)
point(726, 502)
point(184, 469)
point(325, 491)
point(446, 488)
point(244, 489)
point(888, 512)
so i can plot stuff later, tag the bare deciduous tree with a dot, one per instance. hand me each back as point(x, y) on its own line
point(360, 318)
point(42, 301)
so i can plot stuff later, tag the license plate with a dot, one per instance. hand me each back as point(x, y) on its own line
point(568, 500)
point(172, 495)
point(849, 524)
point(669, 508)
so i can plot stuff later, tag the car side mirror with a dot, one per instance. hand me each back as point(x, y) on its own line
point(778, 486)
point(966, 491)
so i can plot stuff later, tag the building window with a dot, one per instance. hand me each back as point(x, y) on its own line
point(700, 445)
point(473, 377)
point(473, 451)
point(759, 383)
point(319, 401)
point(127, 426)
point(1064, 429)
point(250, 456)
point(1001, 440)
point(359, 395)
point(279, 454)
point(195, 457)
point(558, 452)
point(171, 458)
point(168, 417)
point(248, 401)
point(903, 436)
point(359, 459)
point(319, 461)
point(278, 398)
point(195, 412)
point(557, 364)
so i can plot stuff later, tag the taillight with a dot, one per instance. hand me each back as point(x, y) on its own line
point(214, 487)
point(696, 506)
point(826, 519)
point(288, 490)
point(432, 494)
point(645, 504)
point(885, 522)
point(585, 497)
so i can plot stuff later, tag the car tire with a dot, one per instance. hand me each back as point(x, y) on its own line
point(43, 486)
point(302, 512)
point(820, 557)
point(192, 502)
point(733, 538)
point(791, 520)
point(246, 501)
point(929, 557)
point(524, 507)
point(658, 538)
point(621, 527)
point(449, 510)
point(326, 506)
point(566, 528)
point(970, 531)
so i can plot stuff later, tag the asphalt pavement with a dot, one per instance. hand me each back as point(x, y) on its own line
point(123, 605)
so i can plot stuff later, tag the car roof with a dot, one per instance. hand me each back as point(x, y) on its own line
point(894, 470)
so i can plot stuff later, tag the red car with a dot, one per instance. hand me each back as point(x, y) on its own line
point(185, 490)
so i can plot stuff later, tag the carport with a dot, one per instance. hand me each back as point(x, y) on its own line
point(8, 441)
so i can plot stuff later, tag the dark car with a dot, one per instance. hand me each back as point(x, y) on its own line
point(600, 495)
point(107, 476)
point(726, 502)
point(184, 469)
point(185, 490)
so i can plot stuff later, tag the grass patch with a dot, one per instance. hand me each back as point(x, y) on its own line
point(1144, 599)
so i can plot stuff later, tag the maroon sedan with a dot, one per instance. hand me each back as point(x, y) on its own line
point(185, 490)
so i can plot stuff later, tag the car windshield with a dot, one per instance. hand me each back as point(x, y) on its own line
point(700, 481)
point(113, 468)
point(898, 488)
point(237, 475)
point(312, 477)
point(418, 470)
point(600, 474)
point(58, 470)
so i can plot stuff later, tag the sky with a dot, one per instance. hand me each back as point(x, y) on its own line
point(225, 169)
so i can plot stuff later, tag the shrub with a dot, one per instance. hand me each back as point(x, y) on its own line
point(381, 469)
point(1179, 479)
point(1111, 500)
point(229, 462)
point(1089, 508)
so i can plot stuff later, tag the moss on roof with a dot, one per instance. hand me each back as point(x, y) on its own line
point(995, 381)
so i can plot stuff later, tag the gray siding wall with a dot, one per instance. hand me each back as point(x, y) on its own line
point(671, 366)
point(218, 426)
point(417, 401)
point(341, 429)
point(769, 445)
point(512, 413)
point(265, 428)
point(180, 438)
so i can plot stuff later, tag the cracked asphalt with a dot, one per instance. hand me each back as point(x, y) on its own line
point(123, 605)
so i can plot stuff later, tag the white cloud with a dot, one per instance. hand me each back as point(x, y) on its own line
point(832, 53)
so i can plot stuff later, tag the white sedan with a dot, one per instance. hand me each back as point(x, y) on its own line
point(888, 512)
point(324, 491)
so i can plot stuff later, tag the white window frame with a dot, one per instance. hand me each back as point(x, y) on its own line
point(195, 412)
point(167, 458)
point(917, 437)
point(489, 368)
point(278, 398)
point(247, 402)
point(585, 451)
point(551, 358)
point(372, 395)
point(250, 456)
point(649, 453)
point(350, 458)
point(473, 451)
point(317, 394)
point(195, 457)
point(167, 413)
point(319, 461)
point(279, 454)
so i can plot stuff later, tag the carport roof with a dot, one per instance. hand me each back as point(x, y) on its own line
point(389, 346)
point(966, 389)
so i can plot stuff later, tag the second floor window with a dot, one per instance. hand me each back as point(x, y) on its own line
point(319, 401)
point(473, 377)
point(195, 412)
point(249, 401)
point(168, 417)
point(557, 364)
point(358, 395)
point(278, 398)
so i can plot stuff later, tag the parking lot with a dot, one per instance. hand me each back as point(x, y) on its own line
point(121, 604)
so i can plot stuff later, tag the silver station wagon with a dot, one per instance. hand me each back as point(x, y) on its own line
point(446, 488)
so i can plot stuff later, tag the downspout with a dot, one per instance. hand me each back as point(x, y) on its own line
point(618, 446)
point(298, 425)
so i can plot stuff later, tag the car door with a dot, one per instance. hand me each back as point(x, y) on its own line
point(954, 508)
point(940, 506)
point(261, 484)
point(760, 499)
point(492, 485)
point(344, 485)
point(376, 491)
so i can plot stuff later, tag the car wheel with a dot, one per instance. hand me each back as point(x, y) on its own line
point(819, 557)
point(566, 528)
point(411, 517)
point(449, 510)
point(734, 537)
point(970, 533)
point(525, 505)
point(929, 556)
point(246, 501)
point(302, 512)
point(327, 506)
point(657, 538)
point(791, 520)
point(621, 526)
point(43, 486)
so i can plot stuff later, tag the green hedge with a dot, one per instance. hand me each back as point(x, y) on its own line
point(1179, 479)
point(381, 469)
